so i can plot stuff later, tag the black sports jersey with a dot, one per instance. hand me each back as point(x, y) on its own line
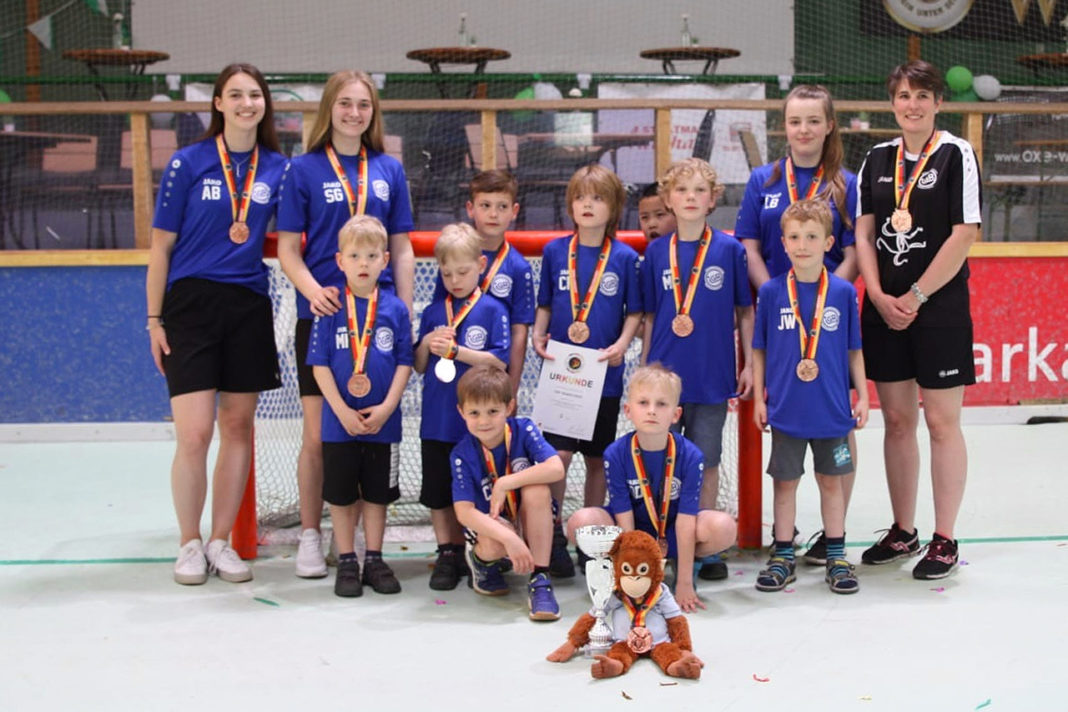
point(947, 193)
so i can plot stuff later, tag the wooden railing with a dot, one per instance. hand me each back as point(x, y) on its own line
point(138, 112)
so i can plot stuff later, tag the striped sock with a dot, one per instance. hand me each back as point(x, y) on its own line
point(835, 547)
point(784, 550)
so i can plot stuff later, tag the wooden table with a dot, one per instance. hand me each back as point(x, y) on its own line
point(135, 59)
point(667, 56)
point(1048, 60)
point(435, 57)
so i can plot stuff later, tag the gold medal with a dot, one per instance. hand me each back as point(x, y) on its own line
point(901, 220)
point(578, 332)
point(639, 640)
point(239, 233)
point(682, 325)
point(359, 385)
point(808, 370)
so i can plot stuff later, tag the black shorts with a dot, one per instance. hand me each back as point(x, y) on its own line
point(221, 338)
point(604, 432)
point(360, 470)
point(305, 376)
point(436, 490)
point(936, 357)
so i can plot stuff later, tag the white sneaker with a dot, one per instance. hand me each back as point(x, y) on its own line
point(223, 560)
point(310, 561)
point(191, 568)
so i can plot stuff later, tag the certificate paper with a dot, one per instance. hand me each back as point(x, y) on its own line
point(569, 391)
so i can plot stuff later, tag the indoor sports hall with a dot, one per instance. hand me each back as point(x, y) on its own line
point(96, 96)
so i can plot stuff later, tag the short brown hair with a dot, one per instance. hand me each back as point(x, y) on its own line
point(659, 376)
point(457, 240)
point(484, 384)
point(494, 181)
point(599, 181)
point(686, 168)
point(363, 229)
point(919, 74)
point(804, 210)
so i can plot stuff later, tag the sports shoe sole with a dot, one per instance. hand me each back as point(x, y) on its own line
point(235, 578)
point(902, 555)
point(544, 616)
point(771, 589)
point(312, 573)
point(190, 579)
point(934, 577)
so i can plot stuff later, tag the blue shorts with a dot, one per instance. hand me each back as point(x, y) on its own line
point(702, 424)
point(830, 456)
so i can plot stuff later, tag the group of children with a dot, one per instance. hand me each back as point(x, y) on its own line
point(493, 483)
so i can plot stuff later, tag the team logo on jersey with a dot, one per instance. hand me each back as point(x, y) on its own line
point(381, 189)
point(635, 487)
point(501, 286)
point(771, 200)
point(384, 339)
point(928, 179)
point(609, 284)
point(475, 337)
point(520, 463)
point(831, 318)
point(714, 278)
point(261, 193)
point(899, 243)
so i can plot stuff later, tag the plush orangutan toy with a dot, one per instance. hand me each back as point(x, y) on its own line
point(642, 615)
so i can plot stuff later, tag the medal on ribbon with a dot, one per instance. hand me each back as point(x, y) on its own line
point(640, 639)
point(239, 202)
point(579, 331)
point(359, 342)
point(357, 201)
point(682, 325)
point(901, 219)
point(807, 369)
point(659, 520)
point(491, 466)
point(791, 182)
point(445, 369)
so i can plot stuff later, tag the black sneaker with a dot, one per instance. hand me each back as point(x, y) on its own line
point(448, 569)
point(347, 583)
point(817, 550)
point(713, 568)
point(893, 545)
point(378, 575)
point(939, 560)
point(560, 563)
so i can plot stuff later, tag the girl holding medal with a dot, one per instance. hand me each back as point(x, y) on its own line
point(343, 173)
point(209, 314)
point(919, 213)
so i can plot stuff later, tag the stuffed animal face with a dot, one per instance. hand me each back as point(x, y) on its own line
point(637, 563)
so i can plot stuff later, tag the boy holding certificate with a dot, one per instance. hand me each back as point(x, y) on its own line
point(654, 482)
point(806, 349)
point(589, 296)
point(696, 288)
point(361, 358)
point(458, 330)
point(500, 490)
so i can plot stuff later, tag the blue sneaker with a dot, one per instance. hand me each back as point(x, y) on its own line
point(485, 578)
point(543, 605)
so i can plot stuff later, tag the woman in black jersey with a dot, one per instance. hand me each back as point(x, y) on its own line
point(918, 214)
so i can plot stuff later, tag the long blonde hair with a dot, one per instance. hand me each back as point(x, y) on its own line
point(323, 126)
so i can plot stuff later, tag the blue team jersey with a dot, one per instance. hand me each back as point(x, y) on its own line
point(513, 286)
point(618, 296)
point(471, 479)
point(705, 360)
point(485, 328)
point(194, 202)
point(819, 408)
point(625, 492)
point(391, 346)
point(763, 206)
point(313, 202)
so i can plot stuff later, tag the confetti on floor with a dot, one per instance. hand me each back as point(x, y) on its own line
point(984, 704)
point(439, 602)
point(668, 684)
point(625, 695)
point(267, 601)
point(865, 698)
point(761, 679)
point(939, 589)
point(789, 590)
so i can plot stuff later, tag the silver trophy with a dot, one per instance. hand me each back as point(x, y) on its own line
point(596, 540)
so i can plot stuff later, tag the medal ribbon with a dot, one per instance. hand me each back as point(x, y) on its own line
point(903, 188)
point(638, 613)
point(682, 306)
point(808, 345)
point(491, 466)
point(239, 203)
point(660, 522)
point(580, 311)
point(357, 202)
point(791, 181)
point(498, 260)
point(360, 346)
point(464, 310)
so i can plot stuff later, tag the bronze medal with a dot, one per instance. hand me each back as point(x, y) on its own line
point(639, 640)
point(682, 325)
point(359, 385)
point(578, 332)
point(663, 547)
point(808, 370)
point(901, 220)
point(239, 233)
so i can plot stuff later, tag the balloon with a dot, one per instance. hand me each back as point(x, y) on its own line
point(968, 95)
point(527, 93)
point(987, 87)
point(959, 79)
point(161, 120)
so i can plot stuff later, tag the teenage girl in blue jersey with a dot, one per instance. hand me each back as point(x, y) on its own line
point(343, 173)
point(209, 314)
